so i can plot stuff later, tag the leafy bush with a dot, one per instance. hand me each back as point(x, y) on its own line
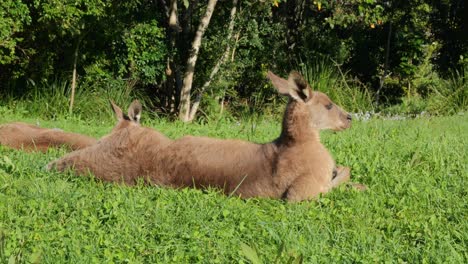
point(451, 96)
point(14, 17)
point(434, 95)
point(343, 90)
point(411, 106)
point(146, 52)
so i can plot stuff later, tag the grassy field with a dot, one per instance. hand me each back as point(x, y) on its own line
point(414, 211)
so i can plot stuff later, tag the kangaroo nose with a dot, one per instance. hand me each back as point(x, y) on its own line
point(349, 117)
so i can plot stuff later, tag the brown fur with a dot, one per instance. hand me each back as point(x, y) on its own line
point(122, 156)
point(30, 138)
point(295, 166)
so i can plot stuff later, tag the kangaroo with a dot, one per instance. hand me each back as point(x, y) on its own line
point(20, 135)
point(295, 166)
point(120, 156)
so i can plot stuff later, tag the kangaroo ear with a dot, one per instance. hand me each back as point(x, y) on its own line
point(279, 83)
point(117, 111)
point(134, 111)
point(299, 89)
point(296, 86)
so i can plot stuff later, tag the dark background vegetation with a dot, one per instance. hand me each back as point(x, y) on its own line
point(395, 56)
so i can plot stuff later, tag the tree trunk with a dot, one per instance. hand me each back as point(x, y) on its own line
point(184, 108)
point(218, 65)
point(236, 40)
point(73, 85)
point(173, 21)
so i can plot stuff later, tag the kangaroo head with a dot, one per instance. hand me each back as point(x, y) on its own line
point(130, 119)
point(324, 114)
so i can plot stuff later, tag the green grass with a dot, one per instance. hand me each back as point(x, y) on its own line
point(415, 210)
point(51, 100)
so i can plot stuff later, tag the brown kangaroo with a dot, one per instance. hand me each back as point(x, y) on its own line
point(19, 135)
point(123, 155)
point(295, 166)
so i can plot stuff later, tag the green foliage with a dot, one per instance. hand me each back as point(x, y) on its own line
point(133, 41)
point(74, 16)
point(424, 76)
point(250, 254)
point(413, 211)
point(146, 52)
point(416, 33)
point(14, 16)
point(451, 95)
point(367, 13)
point(59, 29)
point(257, 45)
point(409, 106)
point(109, 41)
point(343, 90)
point(427, 92)
point(51, 100)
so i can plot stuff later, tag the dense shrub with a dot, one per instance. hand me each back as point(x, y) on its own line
point(380, 53)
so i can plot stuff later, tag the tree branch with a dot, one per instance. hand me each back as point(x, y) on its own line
point(191, 62)
point(218, 65)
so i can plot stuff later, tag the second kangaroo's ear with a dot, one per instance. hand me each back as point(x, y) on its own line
point(134, 111)
point(117, 111)
point(299, 89)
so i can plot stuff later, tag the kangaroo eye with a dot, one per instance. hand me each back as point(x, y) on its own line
point(329, 106)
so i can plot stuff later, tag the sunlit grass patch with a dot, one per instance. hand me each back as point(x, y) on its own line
point(414, 210)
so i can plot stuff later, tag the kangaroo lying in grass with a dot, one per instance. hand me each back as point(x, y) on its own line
point(127, 153)
point(19, 135)
point(295, 166)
